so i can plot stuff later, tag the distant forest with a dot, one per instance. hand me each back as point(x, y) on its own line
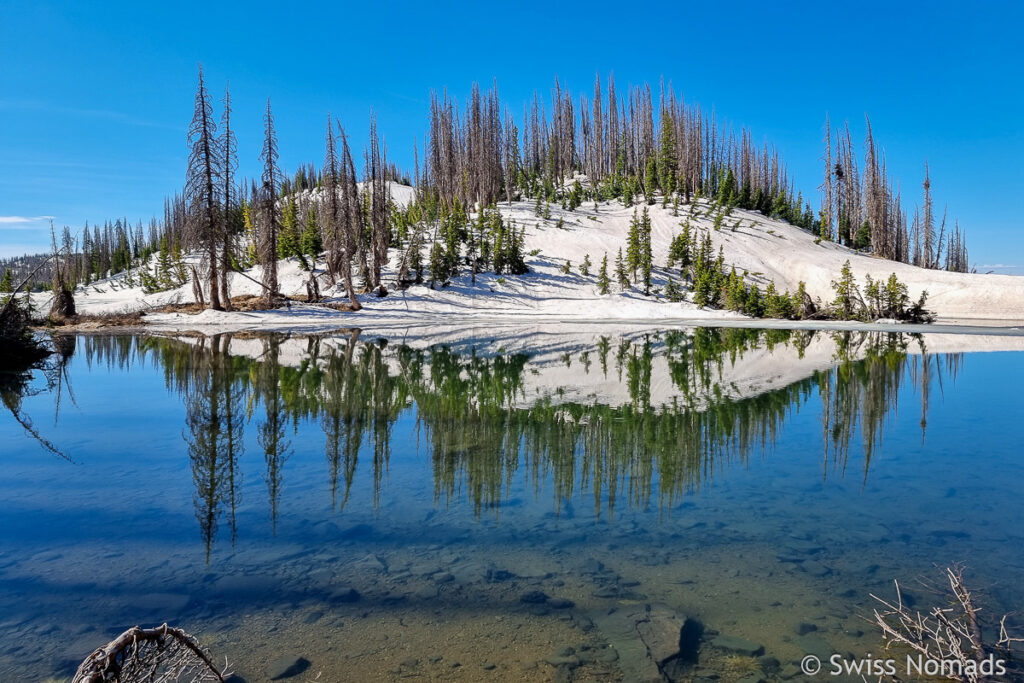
point(629, 146)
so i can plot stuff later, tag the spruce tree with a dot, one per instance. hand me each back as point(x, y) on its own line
point(777, 305)
point(620, 272)
point(735, 291)
point(603, 283)
point(679, 249)
point(646, 256)
point(7, 283)
point(585, 266)
point(439, 269)
point(311, 244)
point(845, 305)
point(672, 291)
point(633, 246)
point(651, 179)
point(288, 240)
point(862, 240)
point(727, 190)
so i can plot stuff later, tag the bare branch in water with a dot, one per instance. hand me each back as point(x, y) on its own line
point(952, 633)
point(162, 655)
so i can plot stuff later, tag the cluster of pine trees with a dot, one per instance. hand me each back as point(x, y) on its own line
point(889, 299)
point(611, 145)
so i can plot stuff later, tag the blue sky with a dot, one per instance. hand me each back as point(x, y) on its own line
point(95, 97)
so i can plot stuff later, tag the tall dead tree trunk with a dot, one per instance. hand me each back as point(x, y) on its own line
point(202, 187)
point(352, 217)
point(270, 223)
point(229, 147)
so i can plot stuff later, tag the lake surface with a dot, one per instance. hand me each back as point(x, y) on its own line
point(468, 507)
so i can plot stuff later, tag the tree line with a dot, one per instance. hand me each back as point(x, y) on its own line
point(630, 146)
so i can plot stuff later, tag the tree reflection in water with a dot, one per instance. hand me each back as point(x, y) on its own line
point(673, 418)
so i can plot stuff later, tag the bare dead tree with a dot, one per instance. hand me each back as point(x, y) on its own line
point(203, 187)
point(352, 217)
point(62, 279)
point(270, 220)
point(928, 223)
point(376, 187)
point(330, 209)
point(230, 229)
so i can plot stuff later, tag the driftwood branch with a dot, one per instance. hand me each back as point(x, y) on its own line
point(951, 633)
point(161, 654)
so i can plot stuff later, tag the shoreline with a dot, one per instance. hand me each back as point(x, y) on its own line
point(307, 321)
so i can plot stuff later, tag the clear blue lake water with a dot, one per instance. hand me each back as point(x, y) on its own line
point(476, 508)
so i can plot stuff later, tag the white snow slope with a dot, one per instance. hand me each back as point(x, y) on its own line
point(769, 250)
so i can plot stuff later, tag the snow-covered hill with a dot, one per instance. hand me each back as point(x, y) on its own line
point(769, 250)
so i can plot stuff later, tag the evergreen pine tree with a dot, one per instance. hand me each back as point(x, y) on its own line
point(777, 305)
point(517, 261)
point(603, 283)
point(862, 240)
point(620, 272)
point(727, 190)
point(439, 270)
point(7, 283)
point(311, 242)
point(178, 263)
point(633, 246)
point(735, 291)
point(672, 291)
point(585, 266)
point(646, 256)
point(679, 250)
point(754, 304)
point(896, 298)
point(288, 240)
point(416, 259)
point(651, 179)
point(798, 301)
point(844, 306)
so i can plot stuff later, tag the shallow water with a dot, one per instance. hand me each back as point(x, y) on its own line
point(396, 508)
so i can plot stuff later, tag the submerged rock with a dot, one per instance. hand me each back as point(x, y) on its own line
point(803, 628)
point(286, 667)
point(768, 664)
point(345, 595)
point(499, 575)
point(737, 645)
point(533, 597)
point(370, 563)
point(815, 568)
point(570, 661)
point(815, 645)
point(651, 643)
